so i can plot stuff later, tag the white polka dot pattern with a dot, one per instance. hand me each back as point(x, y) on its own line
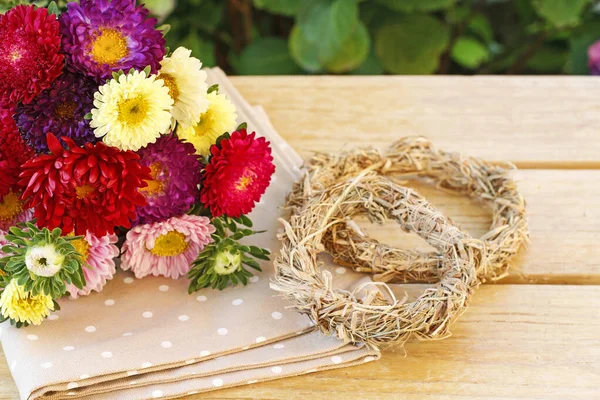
point(277, 315)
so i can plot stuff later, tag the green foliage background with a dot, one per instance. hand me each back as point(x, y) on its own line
point(369, 37)
point(270, 37)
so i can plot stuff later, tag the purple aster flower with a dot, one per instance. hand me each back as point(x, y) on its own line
point(103, 36)
point(59, 110)
point(594, 58)
point(176, 173)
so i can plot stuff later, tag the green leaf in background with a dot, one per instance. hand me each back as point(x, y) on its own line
point(371, 66)
point(417, 5)
point(582, 39)
point(469, 52)
point(284, 7)
point(328, 24)
point(267, 56)
point(328, 36)
point(201, 49)
point(353, 53)
point(549, 60)
point(561, 13)
point(303, 52)
point(160, 8)
point(480, 26)
point(411, 44)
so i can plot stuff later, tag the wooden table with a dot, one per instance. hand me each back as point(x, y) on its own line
point(536, 334)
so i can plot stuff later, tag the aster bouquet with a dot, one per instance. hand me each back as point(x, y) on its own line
point(111, 146)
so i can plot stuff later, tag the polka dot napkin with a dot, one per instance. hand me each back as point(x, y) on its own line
point(144, 339)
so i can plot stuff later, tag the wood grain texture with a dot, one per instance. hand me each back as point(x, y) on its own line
point(538, 122)
point(515, 341)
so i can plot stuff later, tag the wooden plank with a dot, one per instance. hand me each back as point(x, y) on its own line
point(564, 220)
point(537, 122)
point(515, 341)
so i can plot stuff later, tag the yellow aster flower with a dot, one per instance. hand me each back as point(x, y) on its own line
point(131, 112)
point(182, 74)
point(21, 306)
point(218, 119)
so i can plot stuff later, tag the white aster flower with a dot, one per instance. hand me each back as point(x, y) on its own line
point(44, 260)
point(186, 81)
point(131, 112)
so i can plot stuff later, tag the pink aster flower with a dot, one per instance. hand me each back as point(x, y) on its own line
point(166, 248)
point(99, 253)
point(3, 242)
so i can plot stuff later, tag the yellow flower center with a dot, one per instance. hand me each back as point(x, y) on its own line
point(170, 244)
point(82, 247)
point(15, 55)
point(109, 47)
point(155, 186)
point(244, 182)
point(65, 110)
point(206, 121)
point(171, 84)
point(133, 111)
point(10, 207)
point(84, 191)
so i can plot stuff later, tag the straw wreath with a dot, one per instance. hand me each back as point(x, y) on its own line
point(336, 188)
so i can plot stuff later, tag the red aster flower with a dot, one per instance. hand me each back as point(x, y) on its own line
point(94, 188)
point(29, 56)
point(13, 152)
point(237, 175)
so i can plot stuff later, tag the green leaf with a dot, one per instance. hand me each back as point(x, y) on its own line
point(407, 6)
point(549, 60)
point(353, 53)
point(304, 52)
point(164, 29)
point(323, 31)
point(284, 7)
point(267, 56)
point(561, 13)
point(201, 49)
point(160, 8)
point(53, 8)
point(411, 44)
point(213, 88)
point(469, 52)
point(480, 26)
point(581, 40)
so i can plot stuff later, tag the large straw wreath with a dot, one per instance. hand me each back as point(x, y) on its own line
point(338, 187)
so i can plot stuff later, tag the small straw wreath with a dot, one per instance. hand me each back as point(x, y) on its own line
point(336, 188)
point(417, 157)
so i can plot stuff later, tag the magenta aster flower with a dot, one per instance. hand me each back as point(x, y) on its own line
point(594, 58)
point(176, 173)
point(166, 248)
point(99, 253)
point(103, 36)
point(60, 110)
